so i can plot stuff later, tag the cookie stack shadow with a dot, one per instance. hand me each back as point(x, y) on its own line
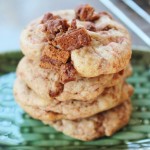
point(71, 87)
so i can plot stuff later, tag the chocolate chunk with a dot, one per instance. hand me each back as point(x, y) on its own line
point(67, 73)
point(57, 26)
point(90, 26)
point(121, 72)
point(49, 16)
point(73, 40)
point(53, 57)
point(73, 24)
point(59, 89)
point(48, 63)
point(86, 13)
point(56, 54)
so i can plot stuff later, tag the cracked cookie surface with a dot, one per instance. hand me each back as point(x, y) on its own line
point(96, 47)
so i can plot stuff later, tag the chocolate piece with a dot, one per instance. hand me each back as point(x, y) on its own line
point(53, 57)
point(73, 24)
point(59, 90)
point(48, 63)
point(67, 73)
point(73, 40)
point(90, 26)
point(56, 26)
point(56, 54)
point(49, 16)
point(86, 13)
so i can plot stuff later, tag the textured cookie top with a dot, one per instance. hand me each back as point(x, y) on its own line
point(90, 43)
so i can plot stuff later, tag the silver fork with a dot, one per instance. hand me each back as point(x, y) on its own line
point(138, 10)
point(127, 21)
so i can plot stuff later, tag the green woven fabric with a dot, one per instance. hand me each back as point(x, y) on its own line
point(20, 132)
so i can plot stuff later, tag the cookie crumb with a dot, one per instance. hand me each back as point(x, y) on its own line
point(86, 13)
point(67, 73)
point(73, 24)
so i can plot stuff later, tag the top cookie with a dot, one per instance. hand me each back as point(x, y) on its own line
point(92, 42)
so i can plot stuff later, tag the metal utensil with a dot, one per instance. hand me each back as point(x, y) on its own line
point(130, 24)
point(138, 10)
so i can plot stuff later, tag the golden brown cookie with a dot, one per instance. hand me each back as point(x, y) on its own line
point(72, 109)
point(47, 84)
point(97, 45)
point(102, 124)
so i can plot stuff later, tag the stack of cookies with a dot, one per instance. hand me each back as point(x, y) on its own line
point(73, 74)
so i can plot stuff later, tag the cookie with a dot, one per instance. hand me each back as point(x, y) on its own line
point(37, 113)
point(72, 109)
point(96, 43)
point(46, 83)
point(102, 124)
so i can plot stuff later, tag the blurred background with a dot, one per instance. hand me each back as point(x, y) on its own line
point(16, 14)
